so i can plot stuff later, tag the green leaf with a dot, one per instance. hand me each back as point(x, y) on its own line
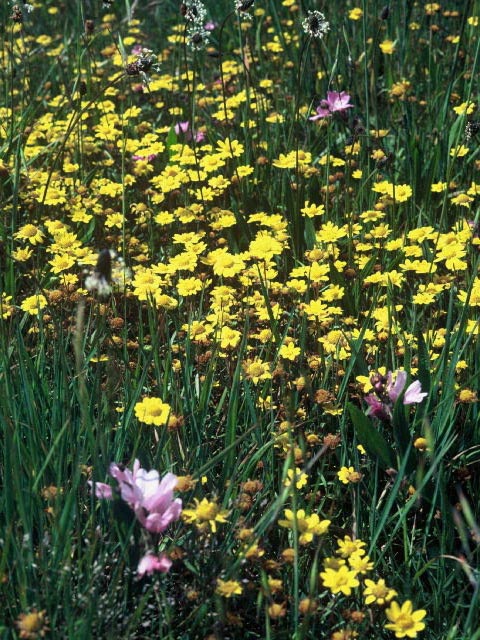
point(171, 140)
point(424, 374)
point(402, 435)
point(373, 441)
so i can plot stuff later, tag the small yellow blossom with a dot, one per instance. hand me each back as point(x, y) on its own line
point(34, 304)
point(377, 592)
point(355, 14)
point(459, 151)
point(228, 588)
point(348, 474)
point(152, 411)
point(387, 47)
point(405, 622)
point(466, 108)
point(31, 233)
point(341, 580)
point(296, 476)
point(205, 515)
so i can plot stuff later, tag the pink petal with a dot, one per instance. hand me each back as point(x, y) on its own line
point(395, 389)
point(414, 393)
point(147, 482)
point(102, 490)
point(158, 521)
point(150, 563)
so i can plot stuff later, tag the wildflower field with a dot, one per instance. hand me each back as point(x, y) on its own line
point(239, 319)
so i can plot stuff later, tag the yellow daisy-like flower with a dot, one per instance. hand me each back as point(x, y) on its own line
point(61, 263)
point(466, 108)
point(348, 474)
point(22, 255)
point(341, 580)
point(228, 588)
point(387, 47)
point(404, 621)
point(377, 592)
point(348, 547)
point(32, 625)
point(34, 304)
point(438, 187)
point(152, 411)
point(459, 151)
point(256, 370)
point(355, 14)
point(31, 233)
point(296, 476)
point(205, 515)
point(307, 526)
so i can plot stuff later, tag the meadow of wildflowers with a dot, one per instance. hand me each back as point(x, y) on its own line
point(239, 319)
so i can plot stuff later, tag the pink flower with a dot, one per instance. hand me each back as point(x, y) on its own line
point(150, 563)
point(102, 490)
point(387, 390)
point(394, 389)
point(184, 127)
point(414, 393)
point(149, 497)
point(150, 157)
point(336, 102)
point(377, 408)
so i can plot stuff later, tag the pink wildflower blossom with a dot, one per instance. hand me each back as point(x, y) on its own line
point(149, 497)
point(150, 563)
point(184, 127)
point(414, 393)
point(387, 390)
point(336, 102)
point(102, 490)
point(150, 157)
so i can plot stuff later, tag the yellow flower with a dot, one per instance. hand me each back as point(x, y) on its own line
point(229, 338)
point(405, 622)
point(277, 610)
point(61, 263)
point(205, 515)
point(22, 255)
point(462, 199)
point(360, 564)
point(466, 108)
point(296, 476)
point(420, 444)
point(348, 474)
point(431, 8)
point(152, 411)
point(307, 526)
point(228, 588)
point(6, 309)
point(377, 592)
point(348, 547)
point(289, 351)
point(459, 151)
point(256, 370)
point(467, 395)
point(341, 580)
point(312, 210)
point(31, 233)
point(34, 304)
point(230, 148)
point(387, 47)
point(32, 625)
point(355, 14)
point(189, 286)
